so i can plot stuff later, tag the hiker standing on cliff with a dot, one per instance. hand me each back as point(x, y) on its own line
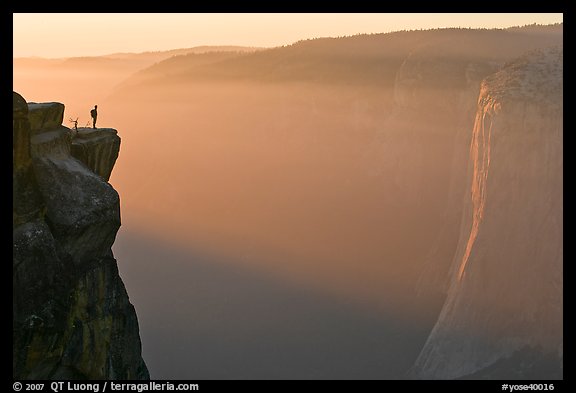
point(94, 114)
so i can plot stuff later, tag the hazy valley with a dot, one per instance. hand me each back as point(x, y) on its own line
point(301, 211)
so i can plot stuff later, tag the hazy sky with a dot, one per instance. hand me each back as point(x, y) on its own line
point(69, 34)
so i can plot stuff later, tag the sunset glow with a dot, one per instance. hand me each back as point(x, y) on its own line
point(90, 34)
point(288, 196)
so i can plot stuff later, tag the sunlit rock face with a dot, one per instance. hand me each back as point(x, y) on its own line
point(423, 148)
point(72, 317)
point(504, 306)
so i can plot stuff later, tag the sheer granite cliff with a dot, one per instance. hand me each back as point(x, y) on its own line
point(72, 317)
point(503, 314)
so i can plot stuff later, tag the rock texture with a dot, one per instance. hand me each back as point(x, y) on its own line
point(27, 202)
point(97, 149)
point(45, 116)
point(436, 91)
point(504, 306)
point(422, 152)
point(72, 317)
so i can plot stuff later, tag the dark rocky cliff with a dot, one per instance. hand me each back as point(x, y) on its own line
point(72, 317)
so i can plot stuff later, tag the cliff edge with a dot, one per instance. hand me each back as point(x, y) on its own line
point(72, 318)
point(503, 314)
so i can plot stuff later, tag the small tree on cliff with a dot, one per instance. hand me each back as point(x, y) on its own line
point(75, 123)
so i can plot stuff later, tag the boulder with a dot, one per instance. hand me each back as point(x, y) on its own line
point(45, 116)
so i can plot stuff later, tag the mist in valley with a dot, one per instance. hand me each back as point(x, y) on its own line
point(277, 181)
point(289, 212)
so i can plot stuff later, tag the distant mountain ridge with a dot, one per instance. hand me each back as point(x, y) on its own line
point(125, 58)
point(363, 58)
point(83, 81)
point(147, 54)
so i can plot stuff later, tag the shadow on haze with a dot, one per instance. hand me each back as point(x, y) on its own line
point(204, 319)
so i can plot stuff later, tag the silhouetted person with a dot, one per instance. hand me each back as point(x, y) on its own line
point(94, 114)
